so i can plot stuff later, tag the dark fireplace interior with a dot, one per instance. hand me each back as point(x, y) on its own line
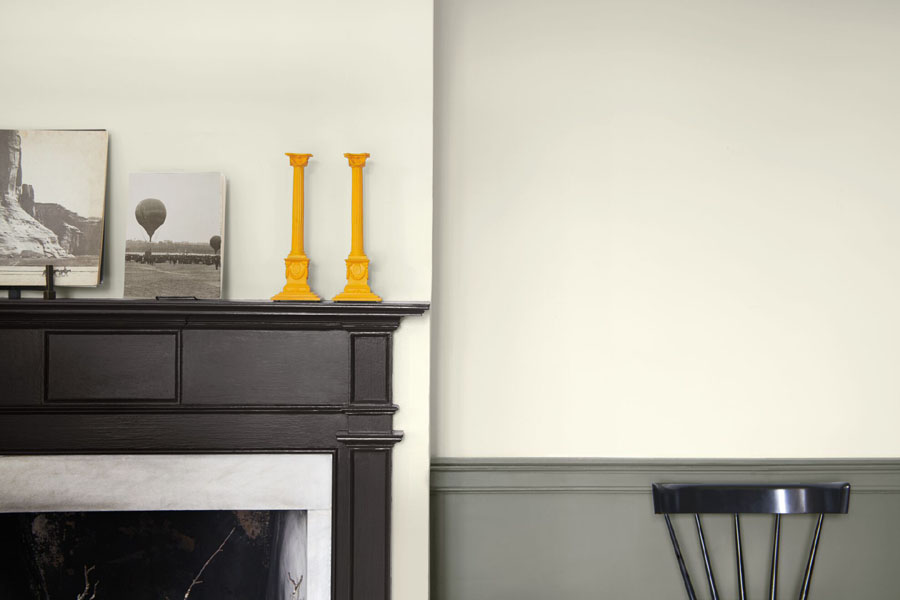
point(153, 555)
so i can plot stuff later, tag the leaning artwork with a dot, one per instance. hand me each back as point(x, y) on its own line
point(174, 237)
point(52, 197)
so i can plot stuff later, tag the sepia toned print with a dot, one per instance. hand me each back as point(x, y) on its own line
point(174, 236)
point(52, 198)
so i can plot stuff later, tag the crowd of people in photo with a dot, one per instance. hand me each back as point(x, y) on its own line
point(180, 258)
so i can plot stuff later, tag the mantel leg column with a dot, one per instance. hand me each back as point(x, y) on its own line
point(363, 547)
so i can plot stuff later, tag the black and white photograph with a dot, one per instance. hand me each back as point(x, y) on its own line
point(175, 235)
point(52, 200)
point(154, 555)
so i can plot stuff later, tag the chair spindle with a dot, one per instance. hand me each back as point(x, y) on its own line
point(773, 578)
point(688, 586)
point(713, 592)
point(807, 577)
point(738, 551)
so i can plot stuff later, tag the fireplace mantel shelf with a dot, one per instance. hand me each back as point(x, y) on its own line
point(193, 377)
point(230, 313)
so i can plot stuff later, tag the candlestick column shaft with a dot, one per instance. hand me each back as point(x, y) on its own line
point(356, 248)
point(297, 230)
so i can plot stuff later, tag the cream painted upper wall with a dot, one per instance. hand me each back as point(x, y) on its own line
point(231, 86)
point(667, 228)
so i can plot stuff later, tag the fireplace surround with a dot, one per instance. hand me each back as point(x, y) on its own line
point(144, 524)
point(192, 378)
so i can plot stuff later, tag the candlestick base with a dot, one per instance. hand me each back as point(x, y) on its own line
point(296, 289)
point(357, 288)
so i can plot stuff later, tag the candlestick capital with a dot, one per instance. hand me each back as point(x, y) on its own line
point(298, 160)
point(357, 160)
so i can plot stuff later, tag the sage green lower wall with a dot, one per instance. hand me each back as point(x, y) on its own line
point(570, 528)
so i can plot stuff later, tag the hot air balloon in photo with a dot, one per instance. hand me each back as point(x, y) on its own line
point(151, 214)
point(215, 242)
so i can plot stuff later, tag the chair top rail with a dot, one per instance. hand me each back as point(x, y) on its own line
point(783, 499)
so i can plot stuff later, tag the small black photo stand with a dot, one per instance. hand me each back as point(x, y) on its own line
point(15, 291)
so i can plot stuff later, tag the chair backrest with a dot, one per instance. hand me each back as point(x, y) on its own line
point(737, 499)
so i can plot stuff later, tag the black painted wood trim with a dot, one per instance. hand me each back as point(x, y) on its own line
point(371, 523)
point(165, 377)
point(215, 314)
point(348, 430)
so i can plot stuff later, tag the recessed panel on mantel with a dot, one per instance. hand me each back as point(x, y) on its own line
point(265, 367)
point(21, 367)
point(104, 367)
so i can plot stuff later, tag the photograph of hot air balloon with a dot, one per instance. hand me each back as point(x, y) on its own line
point(174, 237)
point(52, 200)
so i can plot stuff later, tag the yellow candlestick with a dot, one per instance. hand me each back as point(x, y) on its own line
point(297, 264)
point(357, 288)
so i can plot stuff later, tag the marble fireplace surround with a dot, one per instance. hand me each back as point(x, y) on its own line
point(212, 397)
point(83, 483)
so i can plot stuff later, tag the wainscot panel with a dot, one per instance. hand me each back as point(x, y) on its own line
point(584, 528)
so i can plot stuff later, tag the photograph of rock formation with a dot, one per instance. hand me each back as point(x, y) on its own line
point(174, 236)
point(52, 200)
point(154, 555)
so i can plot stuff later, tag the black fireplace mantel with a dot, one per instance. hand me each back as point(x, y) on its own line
point(126, 377)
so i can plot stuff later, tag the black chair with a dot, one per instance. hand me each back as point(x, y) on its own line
point(779, 499)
